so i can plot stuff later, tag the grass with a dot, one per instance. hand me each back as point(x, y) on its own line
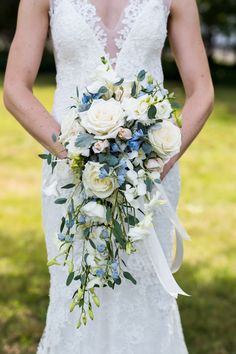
point(207, 209)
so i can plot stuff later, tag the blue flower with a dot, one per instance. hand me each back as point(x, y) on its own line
point(82, 220)
point(123, 163)
point(69, 238)
point(104, 234)
point(101, 247)
point(120, 180)
point(70, 223)
point(121, 175)
point(134, 144)
point(96, 96)
point(115, 147)
point(61, 237)
point(115, 274)
point(100, 272)
point(115, 265)
point(85, 99)
point(137, 135)
point(103, 173)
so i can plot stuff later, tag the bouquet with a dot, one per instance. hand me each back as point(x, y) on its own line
point(118, 136)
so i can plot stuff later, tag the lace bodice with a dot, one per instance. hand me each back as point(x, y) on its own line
point(80, 38)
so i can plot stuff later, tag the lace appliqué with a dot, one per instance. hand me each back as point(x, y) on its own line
point(89, 13)
point(131, 13)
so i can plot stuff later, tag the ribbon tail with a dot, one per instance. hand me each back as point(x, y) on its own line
point(160, 265)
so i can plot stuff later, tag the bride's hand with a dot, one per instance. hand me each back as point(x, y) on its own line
point(59, 150)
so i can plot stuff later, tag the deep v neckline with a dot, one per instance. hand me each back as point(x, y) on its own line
point(114, 28)
point(128, 17)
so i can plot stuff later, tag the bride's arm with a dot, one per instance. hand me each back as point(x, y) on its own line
point(189, 52)
point(23, 64)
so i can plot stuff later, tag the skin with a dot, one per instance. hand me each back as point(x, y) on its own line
point(26, 53)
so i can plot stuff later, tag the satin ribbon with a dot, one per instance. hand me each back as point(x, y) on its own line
point(155, 251)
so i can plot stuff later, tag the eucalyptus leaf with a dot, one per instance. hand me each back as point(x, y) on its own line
point(131, 220)
point(68, 186)
point(84, 140)
point(134, 88)
point(152, 112)
point(141, 75)
point(60, 201)
point(128, 276)
point(102, 90)
point(118, 83)
point(43, 156)
point(70, 278)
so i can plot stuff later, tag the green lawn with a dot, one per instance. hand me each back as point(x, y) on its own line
point(207, 208)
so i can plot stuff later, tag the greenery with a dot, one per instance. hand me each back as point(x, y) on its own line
point(207, 209)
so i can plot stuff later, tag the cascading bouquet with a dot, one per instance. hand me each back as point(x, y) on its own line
point(118, 136)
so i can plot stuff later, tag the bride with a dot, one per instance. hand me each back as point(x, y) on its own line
point(141, 319)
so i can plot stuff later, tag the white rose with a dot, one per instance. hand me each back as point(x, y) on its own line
point(103, 119)
point(74, 150)
point(136, 108)
point(165, 138)
point(164, 109)
point(124, 134)
point(94, 185)
point(155, 165)
point(95, 211)
point(100, 146)
point(70, 126)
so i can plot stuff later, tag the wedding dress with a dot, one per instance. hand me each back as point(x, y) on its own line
point(132, 319)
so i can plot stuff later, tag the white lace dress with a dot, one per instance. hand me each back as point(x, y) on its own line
point(132, 319)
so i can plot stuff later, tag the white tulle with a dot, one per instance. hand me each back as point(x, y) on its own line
point(141, 319)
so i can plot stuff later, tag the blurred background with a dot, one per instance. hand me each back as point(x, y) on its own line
point(207, 205)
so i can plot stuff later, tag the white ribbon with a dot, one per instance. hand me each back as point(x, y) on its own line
point(155, 251)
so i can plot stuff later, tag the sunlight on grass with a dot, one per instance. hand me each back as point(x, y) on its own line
point(207, 209)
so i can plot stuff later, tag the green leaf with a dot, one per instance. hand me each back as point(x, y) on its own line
point(117, 281)
point(92, 243)
point(112, 160)
point(53, 164)
point(102, 90)
point(128, 276)
point(60, 201)
point(152, 112)
point(63, 221)
point(141, 75)
point(70, 278)
point(68, 186)
point(147, 148)
point(148, 183)
point(117, 231)
point(134, 88)
point(43, 156)
point(131, 220)
point(84, 140)
point(86, 232)
point(118, 83)
point(108, 214)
